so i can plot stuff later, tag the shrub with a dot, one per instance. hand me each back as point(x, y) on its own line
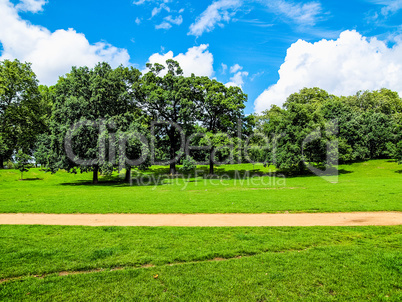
point(189, 165)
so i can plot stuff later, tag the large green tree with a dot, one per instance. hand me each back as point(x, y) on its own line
point(298, 132)
point(90, 107)
point(170, 101)
point(21, 110)
point(221, 112)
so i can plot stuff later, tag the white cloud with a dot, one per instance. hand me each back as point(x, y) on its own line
point(237, 79)
point(342, 67)
point(235, 68)
point(303, 14)
point(139, 2)
point(178, 20)
point(224, 68)
point(51, 53)
point(389, 6)
point(137, 21)
point(221, 10)
point(256, 75)
point(33, 6)
point(169, 20)
point(163, 25)
point(197, 60)
point(157, 10)
point(300, 13)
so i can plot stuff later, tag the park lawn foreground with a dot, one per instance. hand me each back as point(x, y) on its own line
point(366, 186)
point(77, 263)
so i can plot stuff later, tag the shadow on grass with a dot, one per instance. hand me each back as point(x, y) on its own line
point(31, 179)
point(159, 176)
point(398, 171)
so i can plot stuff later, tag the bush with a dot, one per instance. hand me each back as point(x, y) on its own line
point(9, 165)
point(189, 165)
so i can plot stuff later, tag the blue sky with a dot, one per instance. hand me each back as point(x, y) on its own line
point(341, 46)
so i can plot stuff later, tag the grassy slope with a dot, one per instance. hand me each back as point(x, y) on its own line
point(368, 186)
point(318, 263)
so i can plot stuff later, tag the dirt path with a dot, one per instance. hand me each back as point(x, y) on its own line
point(299, 219)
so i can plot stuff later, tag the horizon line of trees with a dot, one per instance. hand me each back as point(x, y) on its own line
point(108, 105)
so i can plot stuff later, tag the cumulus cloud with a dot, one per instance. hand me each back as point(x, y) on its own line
point(237, 79)
point(197, 60)
point(32, 6)
point(238, 76)
point(218, 11)
point(51, 53)
point(342, 67)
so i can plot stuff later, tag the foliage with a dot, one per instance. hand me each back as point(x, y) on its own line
point(21, 110)
point(221, 112)
point(399, 152)
point(22, 162)
point(43, 151)
point(169, 100)
point(188, 166)
point(364, 126)
point(88, 104)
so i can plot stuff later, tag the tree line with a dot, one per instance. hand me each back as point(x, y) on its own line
point(364, 126)
point(122, 118)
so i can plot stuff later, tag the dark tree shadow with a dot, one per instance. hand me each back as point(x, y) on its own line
point(31, 179)
point(160, 176)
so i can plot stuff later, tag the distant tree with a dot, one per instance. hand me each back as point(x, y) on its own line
point(21, 115)
point(398, 152)
point(43, 150)
point(22, 162)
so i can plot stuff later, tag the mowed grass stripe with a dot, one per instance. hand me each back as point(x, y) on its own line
point(319, 263)
point(36, 250)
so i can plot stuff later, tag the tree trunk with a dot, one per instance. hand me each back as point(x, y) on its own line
point(172, 169)
point(95, 175)
point(173, 154)
point(301, 167)
point(211, 161)
point(128, 174)
point(1, 161)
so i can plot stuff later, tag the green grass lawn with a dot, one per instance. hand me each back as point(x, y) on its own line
point(366, 186)
point(201, 264)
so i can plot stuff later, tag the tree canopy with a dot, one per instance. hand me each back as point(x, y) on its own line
point(22, 113)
